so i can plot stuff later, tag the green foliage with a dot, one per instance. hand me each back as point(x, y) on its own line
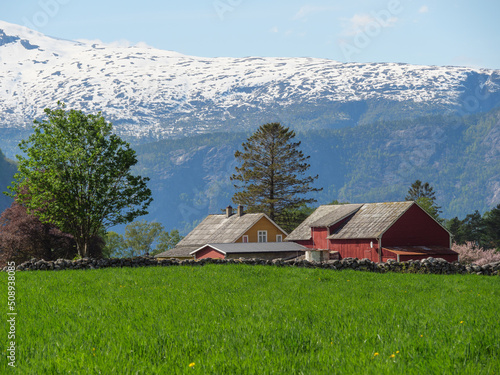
point(470, 229)
point(167, 241)
point(139, 238)
point(482, 231)
point(430, 207)
point(423, 194)
point(491, 220)
point(76, 175)
point(271, 176)
point(290, 218)
point(237, 319)
point(114, 244)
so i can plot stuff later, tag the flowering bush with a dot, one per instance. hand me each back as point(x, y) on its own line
point(469, 253)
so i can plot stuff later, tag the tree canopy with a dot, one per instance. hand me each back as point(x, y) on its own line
point(271, 177)
point(76, 175)
point(139, 238)
point(424, 195)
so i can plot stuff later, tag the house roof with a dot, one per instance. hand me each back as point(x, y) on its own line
point(222, 229)
point(372, 220)
point(368, 220)
point(253, 247)
point(323, 216)
point(178, 252)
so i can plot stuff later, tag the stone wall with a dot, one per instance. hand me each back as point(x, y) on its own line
point(429, 265)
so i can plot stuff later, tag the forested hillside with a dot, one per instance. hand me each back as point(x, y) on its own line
point(460, 157)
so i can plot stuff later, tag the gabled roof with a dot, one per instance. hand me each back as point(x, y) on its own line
point(253, 247)
point(368, 220)
point(222, 229)
point(372, 220)
point(323, 216)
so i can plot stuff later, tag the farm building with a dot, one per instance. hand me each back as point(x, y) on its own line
point(229, 228)
point(377, 231)
point(268, 250)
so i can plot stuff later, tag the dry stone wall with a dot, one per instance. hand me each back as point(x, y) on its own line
point(425, 266)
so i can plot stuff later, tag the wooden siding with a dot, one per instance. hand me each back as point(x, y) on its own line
point(208, 252)
point(355, 248)
point(262, 224)
point(416, 228)
point(319, 238)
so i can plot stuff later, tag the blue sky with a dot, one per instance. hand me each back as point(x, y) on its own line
point(443, 32)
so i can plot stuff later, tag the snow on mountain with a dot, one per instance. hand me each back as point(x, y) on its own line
point(146, 91)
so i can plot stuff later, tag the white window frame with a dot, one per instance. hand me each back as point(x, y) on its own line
point(279, 238)
point(262, 236)
point(244, 239)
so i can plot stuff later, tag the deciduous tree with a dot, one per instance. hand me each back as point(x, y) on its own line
point(76, 175)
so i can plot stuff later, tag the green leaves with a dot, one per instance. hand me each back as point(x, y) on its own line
point(271, 176)
point(76, 175)
point(139, 239)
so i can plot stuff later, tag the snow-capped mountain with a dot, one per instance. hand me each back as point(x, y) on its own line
point(153, 93)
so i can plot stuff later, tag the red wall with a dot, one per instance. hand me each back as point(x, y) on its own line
point(319, 238)
point(416, 228)
point(355, 248)
point(208, 252)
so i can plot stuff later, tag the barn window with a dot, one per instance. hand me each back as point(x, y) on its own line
point(262, 235)
point(245, 239)
point(279, 238)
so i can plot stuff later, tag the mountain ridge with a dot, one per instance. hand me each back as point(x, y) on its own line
point(151, 94)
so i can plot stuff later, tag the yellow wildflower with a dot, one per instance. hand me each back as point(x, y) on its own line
point(191, 364)
point(376, 354)
point(461, 321)
point(397, 351)
point(393, 355)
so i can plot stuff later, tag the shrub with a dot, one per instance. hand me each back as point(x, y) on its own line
point(469, 253)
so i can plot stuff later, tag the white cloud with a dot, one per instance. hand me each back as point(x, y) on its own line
point(359, 22)
point(274, 29)
point(424, 9)
point(306, 10)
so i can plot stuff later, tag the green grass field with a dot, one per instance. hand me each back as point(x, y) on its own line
point(237, 319)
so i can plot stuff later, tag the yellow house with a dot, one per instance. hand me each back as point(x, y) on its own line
point(231, 227)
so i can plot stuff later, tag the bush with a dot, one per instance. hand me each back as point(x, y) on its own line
point(469, 253)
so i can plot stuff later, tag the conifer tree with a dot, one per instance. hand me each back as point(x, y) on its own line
point(271, 176)
point(424, 195)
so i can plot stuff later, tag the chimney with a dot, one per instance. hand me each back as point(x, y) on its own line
point(229, 211)
point(240, 210)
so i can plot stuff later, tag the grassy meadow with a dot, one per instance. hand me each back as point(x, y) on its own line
point(237, 319)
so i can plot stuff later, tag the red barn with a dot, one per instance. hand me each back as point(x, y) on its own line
point(377, 231)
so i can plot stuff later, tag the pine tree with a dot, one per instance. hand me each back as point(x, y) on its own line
point(272, 173)
point(424, 195)
point(491, 220)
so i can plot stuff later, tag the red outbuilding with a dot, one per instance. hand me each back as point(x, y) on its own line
point(377, 231)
